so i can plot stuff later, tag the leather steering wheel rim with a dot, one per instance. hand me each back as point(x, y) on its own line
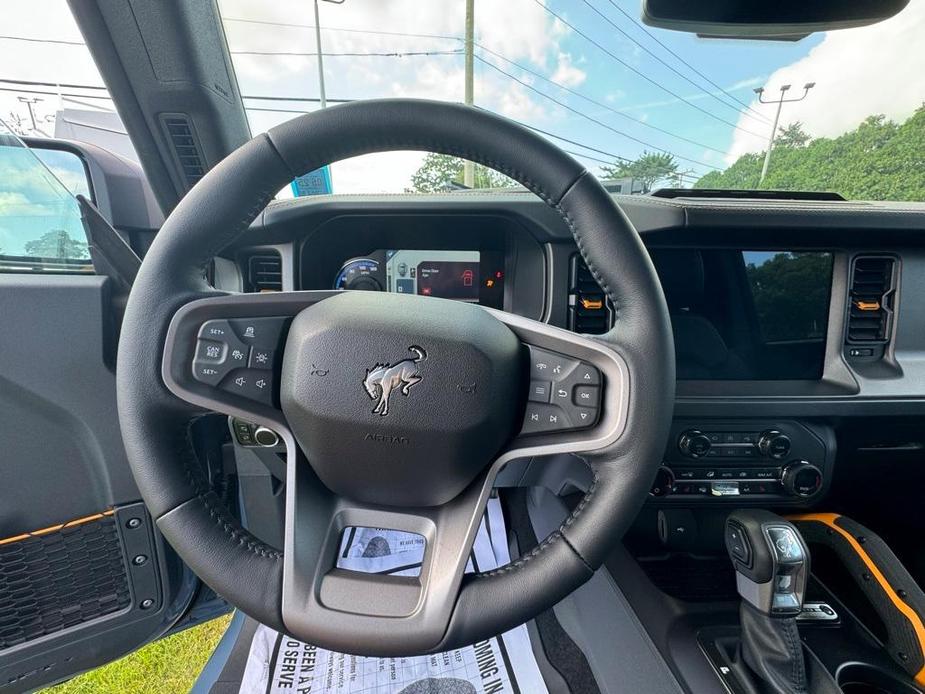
point(155, 423)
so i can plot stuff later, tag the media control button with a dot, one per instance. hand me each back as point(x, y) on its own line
point(542, 418)
point(253, 384)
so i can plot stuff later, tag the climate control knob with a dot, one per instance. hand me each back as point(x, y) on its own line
point(801, 478)
point(774, 444)
point(694, 444)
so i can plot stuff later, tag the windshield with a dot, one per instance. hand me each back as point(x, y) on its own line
point(643, 108)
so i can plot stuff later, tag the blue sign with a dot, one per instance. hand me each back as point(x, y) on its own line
point(317, 182)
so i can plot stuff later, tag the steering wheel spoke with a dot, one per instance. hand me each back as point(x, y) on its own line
point(224, 352)
point(373, 613)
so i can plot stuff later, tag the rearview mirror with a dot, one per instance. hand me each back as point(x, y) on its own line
point(781, 20)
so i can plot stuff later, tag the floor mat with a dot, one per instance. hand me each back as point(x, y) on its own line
point(501, 665)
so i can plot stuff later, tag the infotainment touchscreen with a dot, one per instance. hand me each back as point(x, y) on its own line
point(747, 315)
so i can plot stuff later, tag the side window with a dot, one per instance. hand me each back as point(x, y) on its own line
point(790, 292)
point(40, 227)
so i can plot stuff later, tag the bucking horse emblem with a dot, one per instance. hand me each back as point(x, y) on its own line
point(382, 379)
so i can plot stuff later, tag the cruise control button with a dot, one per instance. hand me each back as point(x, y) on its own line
point(587, 396)
point(209, 373)
point(259, 331)
point(539, 391)
point(539, 418)
point(211, 351)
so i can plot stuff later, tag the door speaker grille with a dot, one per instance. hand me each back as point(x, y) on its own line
point(59, 577)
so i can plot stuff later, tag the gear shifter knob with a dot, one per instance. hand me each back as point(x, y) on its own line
point(771, 561)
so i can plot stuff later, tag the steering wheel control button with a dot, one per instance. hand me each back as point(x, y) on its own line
point(572, 386)
point(587, 396)
point(259, 331)
point(253, 384)
point(218, 352)
point(211, 352)
point(262, 358)
point(540, 418)
point(550, 366)
point(539, 391)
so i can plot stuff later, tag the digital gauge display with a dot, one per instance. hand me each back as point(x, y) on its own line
point(359, 273)
point(463, 275)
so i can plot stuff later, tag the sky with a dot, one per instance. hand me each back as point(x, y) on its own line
point(585, 70)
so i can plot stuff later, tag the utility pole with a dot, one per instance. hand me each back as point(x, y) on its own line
point(323, 97)
point(468, 166)
point(29, 102)
point(780, 102)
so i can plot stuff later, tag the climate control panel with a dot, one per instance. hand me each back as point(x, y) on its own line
point(759, 461)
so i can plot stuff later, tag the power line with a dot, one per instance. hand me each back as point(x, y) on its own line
point(642, 74)
point(32, 83)
point(691, 67)
point(394, 54)
point(296, 25)
point(29, 39)
point(501, 57)
point(595, 120)
point(656, 57)
point(525, 125)
point(600, 104)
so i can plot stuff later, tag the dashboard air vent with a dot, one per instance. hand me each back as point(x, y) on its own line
point(185, 147)
point(265, 272)
point(588, 308)
point(870, 306)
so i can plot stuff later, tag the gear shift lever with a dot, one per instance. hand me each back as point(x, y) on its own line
point(771, 562)
point(772, 566)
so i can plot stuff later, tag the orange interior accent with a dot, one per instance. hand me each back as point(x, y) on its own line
point(55, 528)
point(867, 305)
point(592, 303)
point(829, 520)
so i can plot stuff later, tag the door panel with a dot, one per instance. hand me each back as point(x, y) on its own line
point(84, 578)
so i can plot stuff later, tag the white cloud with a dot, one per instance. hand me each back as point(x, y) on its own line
point(519, 29)
point(566, 73)
point(858, 72)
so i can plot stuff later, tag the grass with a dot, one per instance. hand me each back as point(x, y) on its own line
point(167, 666)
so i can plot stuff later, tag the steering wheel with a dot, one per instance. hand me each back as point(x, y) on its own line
point(396, 411)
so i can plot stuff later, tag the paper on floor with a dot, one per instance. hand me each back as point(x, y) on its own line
point(501, 665)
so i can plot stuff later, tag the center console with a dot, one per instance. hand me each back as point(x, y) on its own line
point(745, 461)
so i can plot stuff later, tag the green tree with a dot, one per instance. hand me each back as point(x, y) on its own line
point(648, 169)
point(439, 172)
point(791, 292)
point(792, 136)
point(57, 243)
point(879, 160)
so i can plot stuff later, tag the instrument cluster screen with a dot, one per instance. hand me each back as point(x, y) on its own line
point(462, 275)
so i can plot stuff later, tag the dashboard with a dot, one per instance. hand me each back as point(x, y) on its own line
point(788, 316)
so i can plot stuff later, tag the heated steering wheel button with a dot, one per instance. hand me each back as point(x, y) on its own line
point(540, 418)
